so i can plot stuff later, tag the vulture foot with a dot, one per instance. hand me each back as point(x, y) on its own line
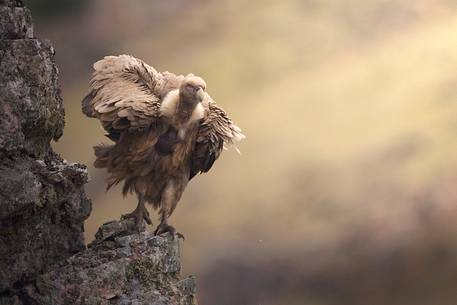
point(164, 228)
point(139, 214)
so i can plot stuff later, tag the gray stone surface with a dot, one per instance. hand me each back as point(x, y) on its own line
point(43, 257)
point(41, 218)
point(31, 106)
point(118, 269)
point(15, 19)
point(42, 200)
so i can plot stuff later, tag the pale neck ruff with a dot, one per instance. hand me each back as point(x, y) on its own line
point(170, 104)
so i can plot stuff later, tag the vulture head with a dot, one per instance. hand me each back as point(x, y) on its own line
point(192, 89)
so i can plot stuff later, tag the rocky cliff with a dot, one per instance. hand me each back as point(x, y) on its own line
point(43, 257)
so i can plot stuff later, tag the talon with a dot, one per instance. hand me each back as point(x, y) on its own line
point(157, 230)
point(146, 217)
point(164, 228)
point(140, 214)
point(129, 215)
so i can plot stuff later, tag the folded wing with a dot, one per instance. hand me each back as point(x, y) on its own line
point(215, 132)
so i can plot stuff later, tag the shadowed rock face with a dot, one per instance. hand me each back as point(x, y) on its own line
point(42, 201)
point(43, 257)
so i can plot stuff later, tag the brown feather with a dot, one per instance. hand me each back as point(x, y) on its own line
point(126, 87)
point(214, 132)
point(164, 132)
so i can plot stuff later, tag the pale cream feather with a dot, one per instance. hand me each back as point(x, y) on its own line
point(169, 103)
point(197, 114)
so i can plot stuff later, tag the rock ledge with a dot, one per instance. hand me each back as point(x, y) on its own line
point(120, 267)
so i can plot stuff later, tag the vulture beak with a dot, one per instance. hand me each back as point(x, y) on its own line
point(200, 93)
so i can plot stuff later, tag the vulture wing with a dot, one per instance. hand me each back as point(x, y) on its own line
point(215, 132)
point(126, 93)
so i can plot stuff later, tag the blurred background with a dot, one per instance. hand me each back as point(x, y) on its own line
point(345, 191)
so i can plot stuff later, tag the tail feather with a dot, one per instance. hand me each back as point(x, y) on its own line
point(112, 180)
point(107, 158)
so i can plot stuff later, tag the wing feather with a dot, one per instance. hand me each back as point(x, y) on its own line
point(215, 133)
point(126, 93)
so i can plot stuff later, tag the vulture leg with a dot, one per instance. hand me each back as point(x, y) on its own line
point(170, 197)
point(164, 227)
point(140, 213)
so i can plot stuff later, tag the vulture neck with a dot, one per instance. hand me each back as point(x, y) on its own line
point(188, 111)
point(180, 110)
point(184, 110)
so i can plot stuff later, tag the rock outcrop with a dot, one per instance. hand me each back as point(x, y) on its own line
point(42, 200)
point(120, 267)
point(43, 257)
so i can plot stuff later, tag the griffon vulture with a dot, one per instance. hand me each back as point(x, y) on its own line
point(165, 129)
